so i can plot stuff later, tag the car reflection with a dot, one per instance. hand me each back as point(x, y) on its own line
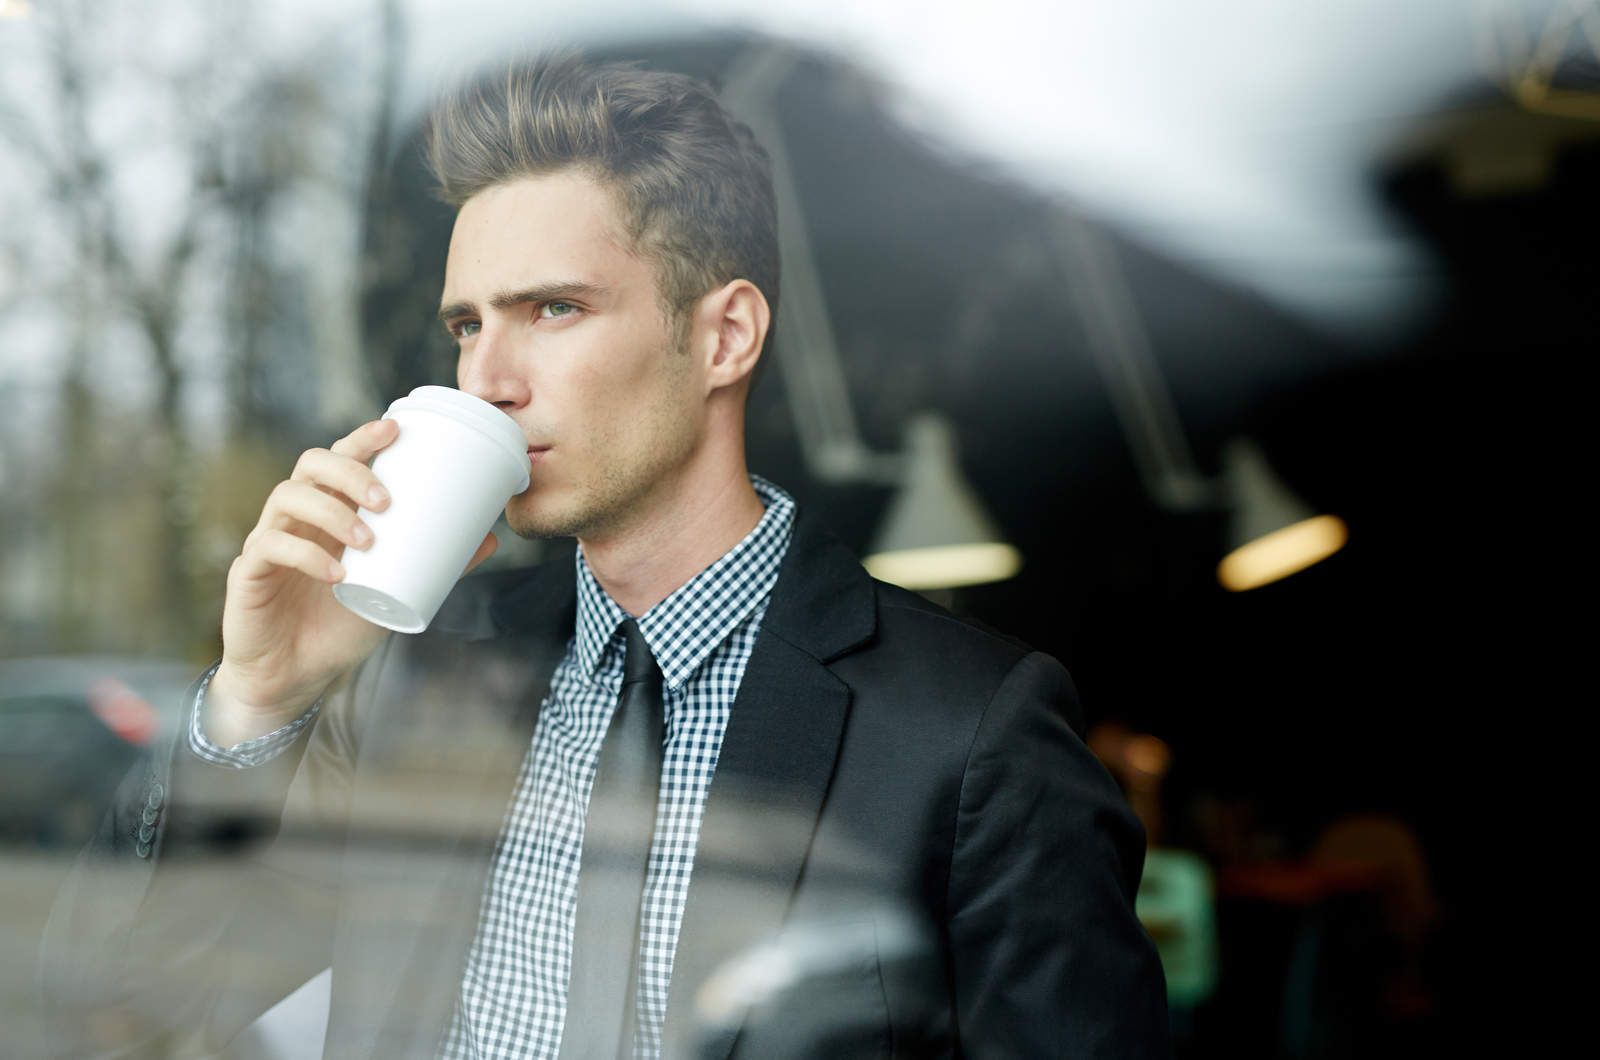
point(70, 728)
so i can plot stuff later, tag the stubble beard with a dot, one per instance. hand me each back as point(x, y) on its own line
point(597, 510)
point(616, 494)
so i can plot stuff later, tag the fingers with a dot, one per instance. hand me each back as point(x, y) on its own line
point(294, 505)
point(342, 469)
point(367, 440)
point(269, 550)
point(485, 549)
point(310, 516)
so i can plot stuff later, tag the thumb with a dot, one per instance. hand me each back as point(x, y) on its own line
point(485, 550)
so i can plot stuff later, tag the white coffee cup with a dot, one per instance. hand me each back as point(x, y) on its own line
point(456, 463)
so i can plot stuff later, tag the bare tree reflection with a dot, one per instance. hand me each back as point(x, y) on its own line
point(175, 196)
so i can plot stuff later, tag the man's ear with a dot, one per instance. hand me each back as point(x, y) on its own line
point(730, 327)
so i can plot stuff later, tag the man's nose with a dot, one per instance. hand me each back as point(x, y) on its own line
point(490, 370)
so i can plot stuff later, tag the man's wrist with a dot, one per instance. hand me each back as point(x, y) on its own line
point(226, 720)
point(226, 731)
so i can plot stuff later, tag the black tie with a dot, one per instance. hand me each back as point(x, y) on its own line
point(599, 1023)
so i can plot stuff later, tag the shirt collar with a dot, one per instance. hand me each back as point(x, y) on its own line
point(683, 629)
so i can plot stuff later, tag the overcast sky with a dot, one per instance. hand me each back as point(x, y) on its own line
point(1235, 134)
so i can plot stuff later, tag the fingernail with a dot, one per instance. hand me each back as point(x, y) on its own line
point(378, 495)
point(360, 534)
point(336, 570)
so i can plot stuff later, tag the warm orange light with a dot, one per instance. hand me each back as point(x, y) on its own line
point(15, 8)
point(1282, 553)
point(1148, 754)
point(946, 566)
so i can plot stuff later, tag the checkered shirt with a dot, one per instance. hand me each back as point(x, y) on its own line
point(514, 989)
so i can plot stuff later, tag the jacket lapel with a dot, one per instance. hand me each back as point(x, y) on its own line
point(772, 775)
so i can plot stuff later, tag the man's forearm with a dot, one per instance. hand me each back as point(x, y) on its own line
point(172, 904)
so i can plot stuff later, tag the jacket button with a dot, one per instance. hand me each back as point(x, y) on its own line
point(145, 833)
point(143, 850)
point(157, 793)
point(149, 815)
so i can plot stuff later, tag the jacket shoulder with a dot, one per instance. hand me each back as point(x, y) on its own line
point(908, 619)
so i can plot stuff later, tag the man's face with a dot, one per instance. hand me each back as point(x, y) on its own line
point(559, 326)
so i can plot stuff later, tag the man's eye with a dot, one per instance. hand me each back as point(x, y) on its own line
point(557, 309)
point(462, 329)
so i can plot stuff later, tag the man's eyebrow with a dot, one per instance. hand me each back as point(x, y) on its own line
point(543, 292)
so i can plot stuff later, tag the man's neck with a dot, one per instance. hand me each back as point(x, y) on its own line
point(640, 567)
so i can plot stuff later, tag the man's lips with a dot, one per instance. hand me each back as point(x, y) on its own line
point(536, 452)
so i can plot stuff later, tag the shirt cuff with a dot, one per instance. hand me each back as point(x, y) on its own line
point(250, 752)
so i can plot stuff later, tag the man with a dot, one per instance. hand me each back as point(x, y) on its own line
point(874, 830)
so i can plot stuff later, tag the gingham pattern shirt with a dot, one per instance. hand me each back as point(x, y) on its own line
point(514, 989)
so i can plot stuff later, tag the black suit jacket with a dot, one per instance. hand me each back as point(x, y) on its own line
point(906, 849)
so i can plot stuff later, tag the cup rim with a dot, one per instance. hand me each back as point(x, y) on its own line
point(471, 412)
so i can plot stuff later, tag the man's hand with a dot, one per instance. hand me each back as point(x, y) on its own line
point(285, 637)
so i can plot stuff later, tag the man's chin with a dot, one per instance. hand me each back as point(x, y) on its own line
point(535, 530)
point(537, 523)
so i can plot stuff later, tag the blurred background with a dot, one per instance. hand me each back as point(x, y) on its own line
point(1105, 290)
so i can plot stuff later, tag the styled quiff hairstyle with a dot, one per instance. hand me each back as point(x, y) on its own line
point(694, 186)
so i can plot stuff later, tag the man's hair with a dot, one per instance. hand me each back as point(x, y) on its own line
point(694, 186)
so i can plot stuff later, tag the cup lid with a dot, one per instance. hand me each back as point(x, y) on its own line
point(472, 412)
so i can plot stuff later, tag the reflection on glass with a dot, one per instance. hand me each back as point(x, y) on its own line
point(1282, 553)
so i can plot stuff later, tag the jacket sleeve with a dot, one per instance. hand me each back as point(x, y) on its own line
point(1048, 957)
point(205, 896)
